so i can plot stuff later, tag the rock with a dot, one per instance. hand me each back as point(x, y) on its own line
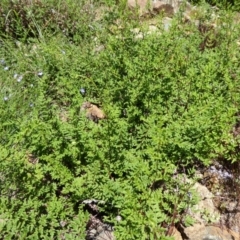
point(230, 207)
point(168, 7)
point(205, 214)
point(176, 234)
point(194, 232)
point(100, 231)
point(205, 211)
point(161, 7)
point(232, 221)
point(96, 229)
point(103, 233)
point(92, 111)
point(201, 232)
point(145, 6)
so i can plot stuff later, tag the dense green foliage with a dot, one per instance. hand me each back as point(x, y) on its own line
point(223, 4)
point(169, 108)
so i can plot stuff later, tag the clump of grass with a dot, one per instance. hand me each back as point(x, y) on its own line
point(26, 20)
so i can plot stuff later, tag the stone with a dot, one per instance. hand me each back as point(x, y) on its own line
point(160, 7)
point(201, 232)
point(195, 232)
point(204, 211)
point(231, 220)
point(176, 234)
point(92, 111)
point(144, 6)
point(104, 234)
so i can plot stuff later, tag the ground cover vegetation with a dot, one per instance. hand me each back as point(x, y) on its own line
point(170, 108)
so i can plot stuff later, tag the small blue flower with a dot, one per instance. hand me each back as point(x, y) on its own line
point(6, 68)
point(82, 91)
point(40, 74)
point(19, 79)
